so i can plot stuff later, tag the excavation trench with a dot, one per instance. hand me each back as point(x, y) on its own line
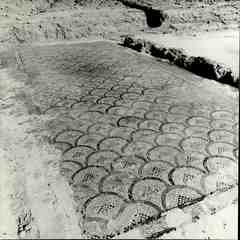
point(196, 61)
point(154, 17)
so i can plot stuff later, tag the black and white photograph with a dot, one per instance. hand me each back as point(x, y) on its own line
point(119, 119)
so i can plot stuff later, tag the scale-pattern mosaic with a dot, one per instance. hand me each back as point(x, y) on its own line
point(130, 152)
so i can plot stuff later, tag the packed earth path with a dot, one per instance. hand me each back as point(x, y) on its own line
point(138, 137)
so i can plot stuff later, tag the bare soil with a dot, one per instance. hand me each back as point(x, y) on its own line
point(72, 20)
point(221, 46)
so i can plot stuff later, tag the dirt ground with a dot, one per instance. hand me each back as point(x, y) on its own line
point(40, 20)
point(221, 46)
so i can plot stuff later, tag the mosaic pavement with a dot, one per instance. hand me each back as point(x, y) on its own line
point(138, 152)
point(131, 152)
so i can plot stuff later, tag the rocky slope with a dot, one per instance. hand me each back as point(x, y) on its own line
point(76, 19)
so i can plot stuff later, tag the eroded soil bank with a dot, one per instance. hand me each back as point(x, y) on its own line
point(193, 54)
point(221, 46)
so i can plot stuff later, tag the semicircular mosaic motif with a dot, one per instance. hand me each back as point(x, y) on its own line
point(131, 152)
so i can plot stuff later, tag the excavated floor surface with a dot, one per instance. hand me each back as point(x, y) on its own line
point(138, 137)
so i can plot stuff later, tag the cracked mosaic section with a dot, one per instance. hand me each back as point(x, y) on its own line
point(131, 153)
